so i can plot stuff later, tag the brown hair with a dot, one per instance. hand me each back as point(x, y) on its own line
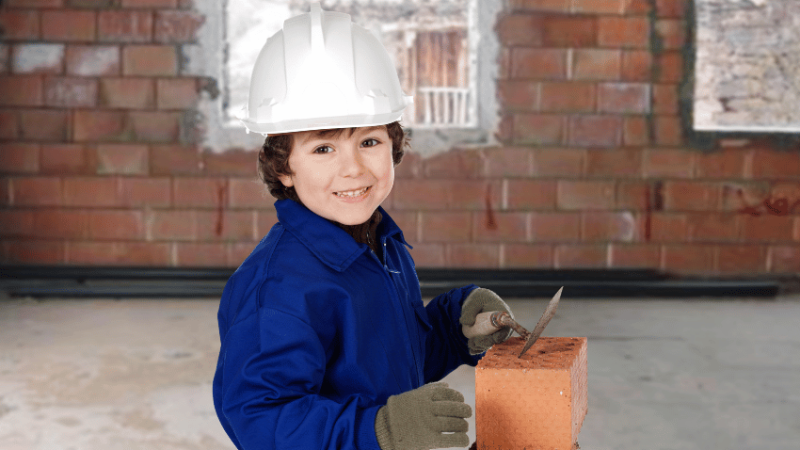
point(273, 159)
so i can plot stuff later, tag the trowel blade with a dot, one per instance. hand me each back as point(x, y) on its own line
point(543, 321)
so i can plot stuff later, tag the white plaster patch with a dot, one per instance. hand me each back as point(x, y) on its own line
point(34, 57)
point(98, 62)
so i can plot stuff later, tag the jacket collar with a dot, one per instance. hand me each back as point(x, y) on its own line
point(332, 245)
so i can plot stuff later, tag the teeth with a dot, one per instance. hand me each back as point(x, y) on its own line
point(352, 193)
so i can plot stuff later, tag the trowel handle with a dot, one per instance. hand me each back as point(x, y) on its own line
point(483, 325)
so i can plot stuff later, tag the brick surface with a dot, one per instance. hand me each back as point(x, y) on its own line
point(175, 160)
point(70, 92)
point(631, 98)
point(19, 24)
point(127, 159)
point(568, 97)
point(527, 195)
point(119, 253)
point(21, 90)
point(728, 163)
point(201, 254)
point(92, 60)
point(125, 26)
point(669, 67)
point(420, 194)
point(36, 191)
point(518, 95)
point(91, 192)
point(595, 130)
point(171, 225)
point(668, 130)
point(549, 383)
point(637, 65)
point(669, 227)
point(635, 255)
point(712, 227)
point(128, 93)
point(580, 256)
point(248, 193)
point(9, 124)
point(623, 32)
point(474, 194)
point(666, 98)
point(775, 164)
point(498, 226)
point(200, 192)
point(671, 8)
point(507, 162)
point(596, 64)
point(100, 126)
point(149, 192)
point(695, 258)
point(671, 32)
point(178, 93)
point(632, 194)
point(583, 195)
point(639, 7)
point(668, 163)
point(155, 126)
point(227, 225)
point(610, 226)
point(558, 162)
point(455, 163)
point(177, 26)
point(527, 256)
point(19, 158)
point(636, 131)
point(34, 3)
point(116, 225)
point(68, 25)
point(540, 5)
point(598, 6)
point(34, 252)
point(472, 255)
point(410, 167)
point(555, 227)
point(37, 58)
point(149, 60)
point(67, 159)
point(44, 125)
point(767, 228)
point(541, 64)
point(520, 29)
point(539, 129)
point(232, 162)
point(569, 31)
point(5, 55)
point(616, 163)
point(428, 255)
point(171, 4)
point(784, 259)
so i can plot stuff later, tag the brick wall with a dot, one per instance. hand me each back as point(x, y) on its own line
point(100, 161)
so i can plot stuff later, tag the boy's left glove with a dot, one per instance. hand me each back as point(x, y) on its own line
point(478, 301)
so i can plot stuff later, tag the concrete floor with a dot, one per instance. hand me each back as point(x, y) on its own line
point(663, 374)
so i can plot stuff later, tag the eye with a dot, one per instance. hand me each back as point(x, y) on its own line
point(323, 149)
point(373, 142)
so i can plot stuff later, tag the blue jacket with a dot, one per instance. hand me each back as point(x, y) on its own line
point(316, 333)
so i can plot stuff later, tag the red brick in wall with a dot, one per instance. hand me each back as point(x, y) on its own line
point(99, 166)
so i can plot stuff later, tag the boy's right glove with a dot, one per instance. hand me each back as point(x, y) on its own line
point(415, 420)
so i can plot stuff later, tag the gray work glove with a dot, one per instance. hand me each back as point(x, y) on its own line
point(478, 301)
point(417, 419)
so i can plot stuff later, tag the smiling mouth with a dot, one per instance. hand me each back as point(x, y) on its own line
point(352, 194)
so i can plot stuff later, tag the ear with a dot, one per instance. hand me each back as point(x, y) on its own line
point(286, 180)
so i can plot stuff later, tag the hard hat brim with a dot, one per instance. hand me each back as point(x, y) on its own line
point(292, 126)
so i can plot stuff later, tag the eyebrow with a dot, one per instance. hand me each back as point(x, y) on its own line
point(358, 130)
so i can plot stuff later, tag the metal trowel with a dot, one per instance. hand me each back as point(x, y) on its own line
point(488, 322)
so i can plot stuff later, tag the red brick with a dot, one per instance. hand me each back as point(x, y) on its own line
point(201, 192)
point(19, 24)
point(596, 64)
point(671, 8)
point(524, 195)
point(585, 195)
point(127, 93)
point(5, 194)
point(155, 126)
point(691, 195)
point(744, 197)
point(171, 225)
point(539, 129)
point(70, 92)
point(226, 225)
point(100, 126)
point(128, 159)
point(177, 26)
point(540, 5)
point(624, 97)
point(720, 164)
point(616, 163)
point(19, 158)
point(712, 227)
point(420, 194)
point(21, 90)
point(171, 4)
point(595, 131)
point(16, 222)
point(580, 256)
point(507, 161)
point(543, 64)
point(428, 255)
point(500, 226)
point(49, 125)
point(767, 228)
point(5, 57)
point(672, 33)
point(473, 255)
point(91, 4)
point(192, 254)
point(632, 194)
point(125, 26)
point(788, 193)
point(67, 159)
point(9, 124)
point(34, 3)
point(635, 256)
point(149, 60)
point(555, 226)
point(35, 252)
point(145, 192)
point(775, 164)
point(116, 225)
point(68, 25)
point(635, 131)
point(520, 30)
point(784, 259)
point(91, 191)
point(568, 97)
point(410, 167)
point(36, 191)
point(175, 160)
point(666, 99)
point(558, 162)
point(624, 32)
point(456, 163)
point(37, 58)
point(474, 195)
point(668, 130)
point(669, 227)
point(637, 65)
point(569, 31)
point(527, 256)
point(638, 7)
point(119, 253)
point(669, 67)
point(179, 93)
point(248, 193)
point(93, 60)
point(684, 259)
point(231, 162)
point(266, 220)
point(668, 163)
point(518, 95)
point(598, 6)
point(742, 259)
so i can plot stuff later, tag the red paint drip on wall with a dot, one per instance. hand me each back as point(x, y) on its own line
point(222, 189)
point(648, 209)
point(490, 222)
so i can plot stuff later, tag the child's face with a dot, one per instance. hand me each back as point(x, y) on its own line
point(326, 170)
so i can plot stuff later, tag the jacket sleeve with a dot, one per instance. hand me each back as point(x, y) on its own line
point(272, 372)
point(446, 344)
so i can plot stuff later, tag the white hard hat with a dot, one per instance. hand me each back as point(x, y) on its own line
point(322, 71)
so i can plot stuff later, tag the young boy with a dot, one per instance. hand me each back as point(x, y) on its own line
point(325, 342)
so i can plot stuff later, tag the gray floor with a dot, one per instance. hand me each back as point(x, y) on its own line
point(663, 374)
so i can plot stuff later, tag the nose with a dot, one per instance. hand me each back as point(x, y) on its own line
point(351, 162)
